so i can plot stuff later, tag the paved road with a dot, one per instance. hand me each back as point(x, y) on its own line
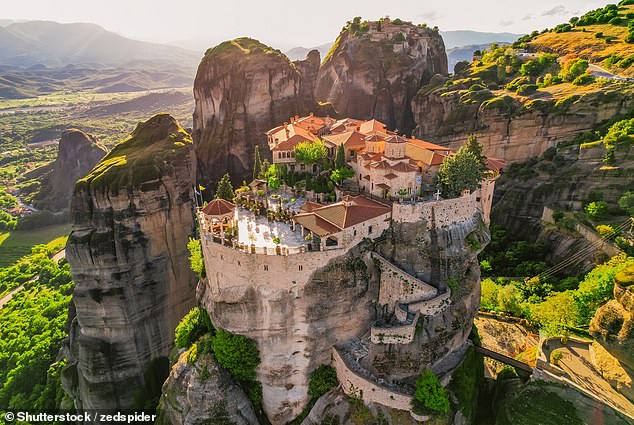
point(61, 254)
point(10, 295)
point(577, 363)
point(597, 71)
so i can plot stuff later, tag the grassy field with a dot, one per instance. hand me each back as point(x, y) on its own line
point(14, 245)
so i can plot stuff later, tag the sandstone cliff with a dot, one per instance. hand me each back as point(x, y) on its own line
point(375, 72)
point(242, 89)
point(203, 391)
point(509, 127)
point(132, 216)
point(613, 327)
point(78, 154)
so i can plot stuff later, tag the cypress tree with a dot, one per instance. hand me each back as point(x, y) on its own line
point(340, 157)
point(257, 163)
point(225, 189)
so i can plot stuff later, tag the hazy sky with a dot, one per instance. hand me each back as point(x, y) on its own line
point(286, 23)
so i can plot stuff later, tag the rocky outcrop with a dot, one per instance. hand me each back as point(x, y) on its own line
point(203, 392)
point(613, 325)
point(507, 128)
point(242, 89)
point(78, 154)
point(132, 217)
point(308, 69)
point(375, 72)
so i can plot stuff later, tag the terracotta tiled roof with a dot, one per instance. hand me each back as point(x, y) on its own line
point(427, 145)
point(374, 138)
point(424, 155)
point(395, 139)
point(351, 210)
point(289, 145)
point(390, 176)
point(372, 126)
point(495, 164)
point(218, 207)
point(349, 139)
point(367, 177)
point(383, 186)
point(309, 206)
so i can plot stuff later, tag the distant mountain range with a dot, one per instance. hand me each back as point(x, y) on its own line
point(53, 44)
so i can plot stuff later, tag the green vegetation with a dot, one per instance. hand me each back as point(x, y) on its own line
point(32, 326)
point(144, 156)
point(597, 209)
point(224, 190)
point(18, 243)
point(196, 261)
point(626, 202)
point(462, 171)
point(242, 45)
point(257, 162)
point(322, 380)
point(465, 381)
point(311, 152)
point(236, 353)
point(195, 324)
point(429, 396)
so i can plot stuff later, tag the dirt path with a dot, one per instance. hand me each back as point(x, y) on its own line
point(10, 295)
point(58, 256)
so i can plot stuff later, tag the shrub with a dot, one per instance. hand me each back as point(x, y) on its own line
point(399, 37)
point(626, 202)
point(526, 89)
point(583, 80)
point(196, 262)
point(322, 380)
point(429, 394)
point(605, 230)
point(598, 35)
point(597, 210)
point(573, 68)
point(236, 353)
point(195, 324)
point(562, 28)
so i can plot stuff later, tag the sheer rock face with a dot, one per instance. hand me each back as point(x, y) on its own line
point(296, 323)
point(203, 391)
point(511, 131)
point(364, 77)
point(132, 217)
point(244, 88)
point(78, 154)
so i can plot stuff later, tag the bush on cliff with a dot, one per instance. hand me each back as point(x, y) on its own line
point(429, 395)
point(196, 257)
point(322, 380)
point(195, 324)
point(236, 353)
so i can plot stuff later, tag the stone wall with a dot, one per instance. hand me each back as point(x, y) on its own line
point(438, 214)
point(353, 383)
point(433, 306)
point(398, 286)
point(396, 334)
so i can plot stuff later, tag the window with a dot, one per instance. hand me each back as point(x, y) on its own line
point(266, 268)
point(301, 267)
point(355, 232)
point(302, 167)
point(369, 230)
point(238, 262)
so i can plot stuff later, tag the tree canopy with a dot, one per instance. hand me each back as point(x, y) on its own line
point(430, 394)
point(310, 152)
point(225, 188)
point(464, 170)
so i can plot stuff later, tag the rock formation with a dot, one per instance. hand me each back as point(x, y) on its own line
point(203, 391)
point(308, 69)
point(78, 154)
point(296, 328)
point(613, 327)
point(242, 89)
point(508, 129)
point(375, 70)
point(132, 217)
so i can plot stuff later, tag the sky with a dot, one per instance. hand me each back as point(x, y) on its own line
point(286, 24)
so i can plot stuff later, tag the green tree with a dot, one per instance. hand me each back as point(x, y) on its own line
point(509, 299)
point(195, 324)
point(257, 162)
point(196, 262)
point(340, 174)
point(556, 312)
point(472, 145)
point(430, 394)
point(340, 157)
point(225, 188)
point(322, 380)
point(310, 152)
point(236, 353)
point(597, 209)
point(489, 295)
point(459, 172)
point(626, 202)
point(573, 68)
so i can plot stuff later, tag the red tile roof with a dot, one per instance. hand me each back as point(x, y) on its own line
point(218, 207)
point(372, 126)
point(333, 218)
point(289, 144)
point(390, 176)
point(349, 139)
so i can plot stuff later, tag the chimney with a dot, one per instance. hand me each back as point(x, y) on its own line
point(312, 114)
point(358, 128)
point(296, 118)
point(413, 136)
